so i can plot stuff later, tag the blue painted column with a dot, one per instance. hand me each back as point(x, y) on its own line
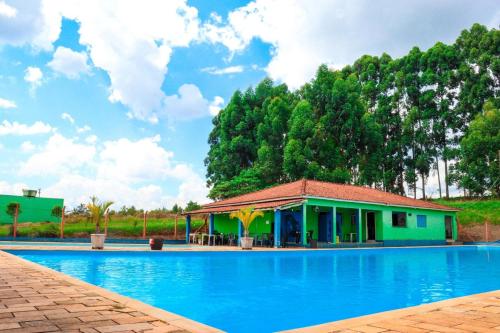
point(188, 227)
point(334, 224)
point(240, 231)
point(211, 224)
point(277, 228)
point(358, 222)
point(304, 225)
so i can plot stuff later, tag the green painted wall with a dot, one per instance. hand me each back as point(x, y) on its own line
point(384, 230)
point(435, 229)
point(225, 225)
point(32, 209)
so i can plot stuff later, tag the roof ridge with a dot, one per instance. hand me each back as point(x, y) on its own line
point(304, 185)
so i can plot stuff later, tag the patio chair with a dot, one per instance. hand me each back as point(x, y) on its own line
point(258, 240)
point(231, 240)
point(265, 240)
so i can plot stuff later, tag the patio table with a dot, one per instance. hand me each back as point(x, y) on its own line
point(192, 238)
point(209, 237)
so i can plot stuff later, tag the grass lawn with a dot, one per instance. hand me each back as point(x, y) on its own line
point(475, 211)
point(119, 227)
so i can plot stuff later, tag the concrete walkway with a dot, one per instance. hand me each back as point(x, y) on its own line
point(34, 299)
point(476, 313)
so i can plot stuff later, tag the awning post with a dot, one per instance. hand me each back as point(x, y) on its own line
point(188, 227)
point(211, 224)
point(277, 228)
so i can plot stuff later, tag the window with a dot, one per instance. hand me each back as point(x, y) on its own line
point(398, 219)
point(421, 221)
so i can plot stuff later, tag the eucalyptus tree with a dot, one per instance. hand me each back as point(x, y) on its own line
point(440, 65)
point(478, 169)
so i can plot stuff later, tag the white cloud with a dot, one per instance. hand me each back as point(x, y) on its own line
point(189, 103)
point(133, 41)
point(68, 117)
point(83, 129)
point(216, 105)
point(15, 128)
point(34, 76)
point(7, 11)
point(223, 71)
point(36, 23)
point(69, 63)
point(13, 189)
point(91, 139)
point(59, 156)
point(125, 171)
point(27, 146)
point(7, 104)
point(134, 161)
point(304, 34)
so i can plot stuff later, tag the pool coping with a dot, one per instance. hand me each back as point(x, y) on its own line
point(350, 324)
point(203, 248)
point(170, 318)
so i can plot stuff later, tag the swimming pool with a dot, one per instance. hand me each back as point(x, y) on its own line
point(107, 245)
point(277, 290)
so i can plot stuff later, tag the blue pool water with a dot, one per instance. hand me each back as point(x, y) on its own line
point(134, 245)
point(270, 291)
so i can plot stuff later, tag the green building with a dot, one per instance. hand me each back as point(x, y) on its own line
point(31, 208)
point(307, 212)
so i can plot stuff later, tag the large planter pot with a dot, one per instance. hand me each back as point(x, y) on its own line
point(97, 241)
point(156, 243)
point(246, 243)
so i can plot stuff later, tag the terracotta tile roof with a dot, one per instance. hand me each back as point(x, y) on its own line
point(302, 189)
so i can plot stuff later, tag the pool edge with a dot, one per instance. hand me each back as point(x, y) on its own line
point(171, 318)
point(362, 321)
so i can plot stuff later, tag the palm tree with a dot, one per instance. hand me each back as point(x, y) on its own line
point(246, 216)
point(97, 210)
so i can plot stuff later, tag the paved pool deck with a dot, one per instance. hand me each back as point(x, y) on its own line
point(34, 298)
point(476, 313)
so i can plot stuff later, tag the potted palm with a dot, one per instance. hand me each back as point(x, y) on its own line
point(246, 216)
point(97, 210)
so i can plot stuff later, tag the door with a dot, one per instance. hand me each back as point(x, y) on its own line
point(324, 227)
point(290, 226)
point(370, 225)
point(448, 227)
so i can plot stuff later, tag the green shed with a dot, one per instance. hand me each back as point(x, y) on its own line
point(31, 208)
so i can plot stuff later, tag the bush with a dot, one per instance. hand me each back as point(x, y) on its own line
point(49, 230)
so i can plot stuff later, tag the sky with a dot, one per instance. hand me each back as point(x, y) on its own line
point(116, 98)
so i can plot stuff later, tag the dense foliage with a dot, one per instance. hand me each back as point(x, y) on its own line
point(380, 122)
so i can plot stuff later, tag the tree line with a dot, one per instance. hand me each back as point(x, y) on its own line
point(82, 209)
point(383, 122)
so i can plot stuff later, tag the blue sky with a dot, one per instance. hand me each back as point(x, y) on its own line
point(116, 98)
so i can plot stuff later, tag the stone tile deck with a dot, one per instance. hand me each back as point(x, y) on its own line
point(476, 313)
point(34, 299)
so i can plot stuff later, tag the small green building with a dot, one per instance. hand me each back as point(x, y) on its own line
point(307, 212)
point(31, 208)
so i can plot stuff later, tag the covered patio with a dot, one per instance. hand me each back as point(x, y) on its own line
point(294, 225)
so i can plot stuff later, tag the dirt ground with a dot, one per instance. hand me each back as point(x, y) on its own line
point(479, 233)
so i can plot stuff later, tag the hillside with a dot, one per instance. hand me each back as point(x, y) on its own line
point(475, 211)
